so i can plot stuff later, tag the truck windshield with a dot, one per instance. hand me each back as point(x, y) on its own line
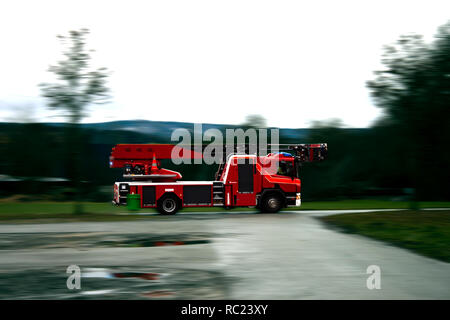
point(286, 168)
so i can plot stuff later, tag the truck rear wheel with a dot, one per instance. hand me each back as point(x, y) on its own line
point(271, 203)
point(168, 205)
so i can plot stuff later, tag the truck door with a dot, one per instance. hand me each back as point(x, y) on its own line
point(245, 195)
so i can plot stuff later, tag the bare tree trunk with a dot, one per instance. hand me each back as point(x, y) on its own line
point(73, 143)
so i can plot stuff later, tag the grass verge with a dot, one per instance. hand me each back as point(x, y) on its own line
point(424, 232)
point(11, 211)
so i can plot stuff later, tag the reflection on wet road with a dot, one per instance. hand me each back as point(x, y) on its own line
point(290, 255)
point(113, 283)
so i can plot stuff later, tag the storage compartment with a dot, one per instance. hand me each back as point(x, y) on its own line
point(197, 195)
point(148, 196)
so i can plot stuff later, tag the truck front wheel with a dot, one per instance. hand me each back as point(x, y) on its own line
point(168, 205)
point(271, 203)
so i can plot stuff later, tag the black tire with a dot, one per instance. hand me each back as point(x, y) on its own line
point(271, 203)
point(168, 205)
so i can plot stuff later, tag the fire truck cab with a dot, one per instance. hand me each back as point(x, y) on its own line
point(268, 183)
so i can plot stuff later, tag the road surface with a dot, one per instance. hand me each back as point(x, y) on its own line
point(290, 255)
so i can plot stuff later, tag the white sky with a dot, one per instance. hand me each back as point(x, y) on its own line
point(212, 61)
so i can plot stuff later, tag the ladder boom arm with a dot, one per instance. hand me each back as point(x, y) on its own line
point(127, 154)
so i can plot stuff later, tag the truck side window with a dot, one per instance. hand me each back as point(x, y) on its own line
point(285, 168)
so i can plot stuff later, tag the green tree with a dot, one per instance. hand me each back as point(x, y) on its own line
point(414, 92)
point(77, 87)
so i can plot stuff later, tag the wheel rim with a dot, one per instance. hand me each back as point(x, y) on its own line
point(273, 203)
point(169, 205)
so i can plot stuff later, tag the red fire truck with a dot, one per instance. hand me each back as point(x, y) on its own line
point(268, 182)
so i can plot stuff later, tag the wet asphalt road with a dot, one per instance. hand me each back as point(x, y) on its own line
point(290, 255)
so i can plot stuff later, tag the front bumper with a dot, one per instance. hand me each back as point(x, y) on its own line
point(298, 199)
point(294, 200)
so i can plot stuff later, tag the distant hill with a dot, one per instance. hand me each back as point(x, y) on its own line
point(145, 131)
point(159, 130)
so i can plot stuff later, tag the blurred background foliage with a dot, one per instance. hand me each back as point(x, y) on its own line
point(404, 154)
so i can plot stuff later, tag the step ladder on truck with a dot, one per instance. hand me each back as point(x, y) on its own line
point(269, 182)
